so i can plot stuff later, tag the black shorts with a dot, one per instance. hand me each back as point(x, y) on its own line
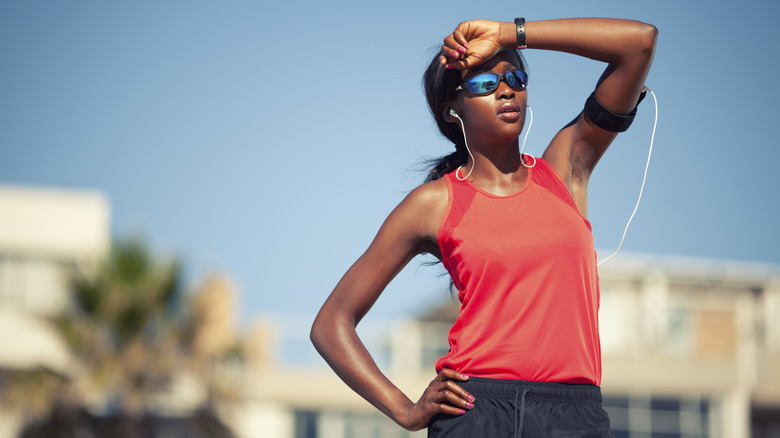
point(516, 408)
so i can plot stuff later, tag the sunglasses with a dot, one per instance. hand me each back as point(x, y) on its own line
point(487, 83)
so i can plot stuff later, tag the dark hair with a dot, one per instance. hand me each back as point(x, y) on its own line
point(439, 84)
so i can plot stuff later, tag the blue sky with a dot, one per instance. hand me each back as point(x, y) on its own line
point(269, 142)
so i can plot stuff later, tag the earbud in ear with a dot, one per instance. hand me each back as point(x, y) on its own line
point(453, 113)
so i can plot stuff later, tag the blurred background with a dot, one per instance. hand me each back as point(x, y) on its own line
point(183, 183)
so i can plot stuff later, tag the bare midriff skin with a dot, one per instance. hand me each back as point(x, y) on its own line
point(627, 47)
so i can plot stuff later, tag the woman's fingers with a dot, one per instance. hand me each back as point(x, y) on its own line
point(443, 408)
point(458, 396)
point(442, 396)
point(452, 392)
point(457, 400)
point(455, 43)
point(459, 38)
point(448, 374)
point(454, 48)
point(470, 44)
point(450, 55)
point(448, 402)
point(453, 59)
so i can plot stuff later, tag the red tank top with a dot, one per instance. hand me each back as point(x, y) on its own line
point(524, 266)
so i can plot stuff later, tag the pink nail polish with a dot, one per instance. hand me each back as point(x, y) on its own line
point(454, 54)
point(466, 46)
point(461, 50)
point(471, 398)
point(469, 405)
point(461, 411)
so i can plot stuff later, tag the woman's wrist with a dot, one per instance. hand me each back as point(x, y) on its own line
point(401, 415)
point(508, 35)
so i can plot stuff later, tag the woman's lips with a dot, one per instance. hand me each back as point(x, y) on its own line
point(509, 112)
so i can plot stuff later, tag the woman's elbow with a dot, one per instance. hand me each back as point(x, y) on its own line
point(325, 328)
point(647, 36)
point(318, 332)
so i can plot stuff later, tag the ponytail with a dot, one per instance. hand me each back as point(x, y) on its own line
point(444, 165)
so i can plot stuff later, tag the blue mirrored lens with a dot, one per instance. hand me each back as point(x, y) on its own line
point(516, 78)
point(485, 83)
point(488, 82)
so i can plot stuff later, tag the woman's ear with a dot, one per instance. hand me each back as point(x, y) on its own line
point(449, 113)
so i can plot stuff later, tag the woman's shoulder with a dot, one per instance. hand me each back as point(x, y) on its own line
point(423, 209)
point(430, 193)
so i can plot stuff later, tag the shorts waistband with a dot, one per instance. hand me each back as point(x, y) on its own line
point(547, 391)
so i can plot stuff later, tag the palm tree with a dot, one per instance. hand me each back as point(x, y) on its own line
point(131, 332)
point(123, 326)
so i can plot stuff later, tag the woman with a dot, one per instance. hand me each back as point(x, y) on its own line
point(512, 232)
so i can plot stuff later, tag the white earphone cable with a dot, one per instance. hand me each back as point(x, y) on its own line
point(644, 178)
point(463, 128)
point(466, 142)
point(530, 123)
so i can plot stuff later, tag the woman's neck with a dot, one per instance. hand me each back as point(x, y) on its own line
point(496, 162)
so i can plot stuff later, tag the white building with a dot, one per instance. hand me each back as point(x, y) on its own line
point(691, 348)
point(43, 233)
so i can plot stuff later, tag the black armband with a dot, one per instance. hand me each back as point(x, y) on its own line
point(606, 119)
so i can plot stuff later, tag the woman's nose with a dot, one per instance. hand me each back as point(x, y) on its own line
point(504, 90)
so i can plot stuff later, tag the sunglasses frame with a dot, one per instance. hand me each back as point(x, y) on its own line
point(499, 77)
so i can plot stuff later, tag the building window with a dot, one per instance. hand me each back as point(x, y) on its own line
point(765, 422)
point(653, 417)
point(340, 424)
point(305, 424)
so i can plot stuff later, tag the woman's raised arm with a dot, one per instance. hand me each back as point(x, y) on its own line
point(626, 46)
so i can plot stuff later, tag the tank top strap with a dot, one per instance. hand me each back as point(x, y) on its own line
point(460, 197)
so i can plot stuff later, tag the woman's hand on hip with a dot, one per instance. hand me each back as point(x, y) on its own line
point(442, 396)
point(474, 42)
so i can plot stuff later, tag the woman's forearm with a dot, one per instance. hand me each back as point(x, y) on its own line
point(337, 341)
point(604, 39)
point(627, 45)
